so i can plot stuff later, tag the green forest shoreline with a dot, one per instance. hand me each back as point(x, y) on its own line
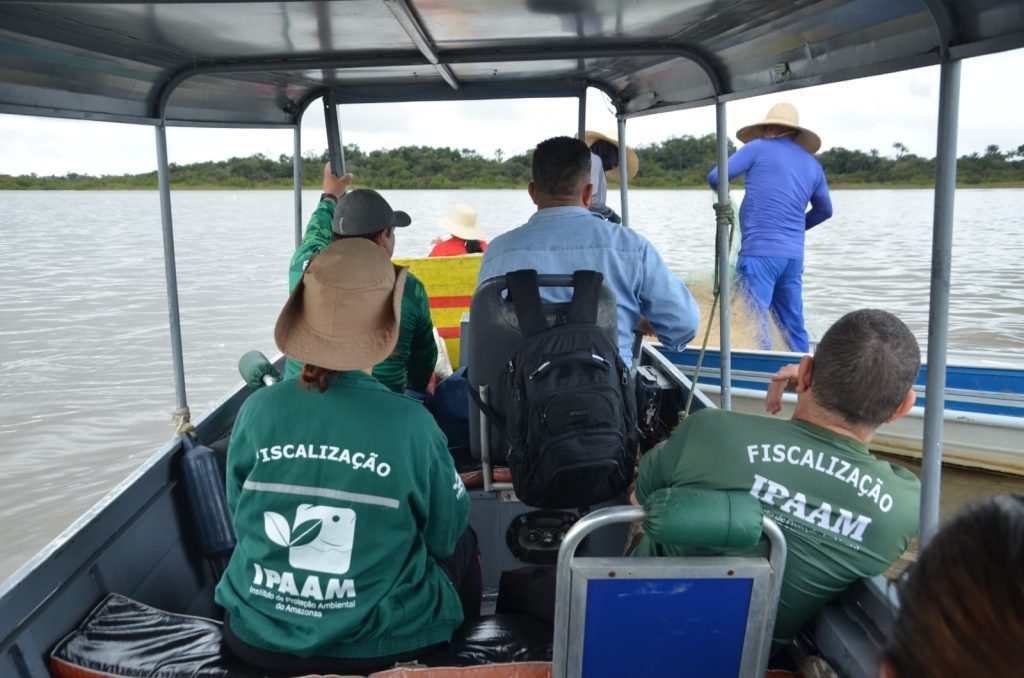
point(678, 163)
point(282, 186)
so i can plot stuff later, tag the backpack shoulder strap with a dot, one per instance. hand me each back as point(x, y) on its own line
point(585, 296)
point(524, 292)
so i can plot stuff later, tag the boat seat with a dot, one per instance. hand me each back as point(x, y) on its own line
point(123, 637)
point(699, 616)
point(494, 336)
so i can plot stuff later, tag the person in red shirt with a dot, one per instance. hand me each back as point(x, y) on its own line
point(466, 235)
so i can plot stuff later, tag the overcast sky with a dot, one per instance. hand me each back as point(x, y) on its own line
point(866, 114)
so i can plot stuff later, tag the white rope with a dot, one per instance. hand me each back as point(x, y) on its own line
point(181, 418)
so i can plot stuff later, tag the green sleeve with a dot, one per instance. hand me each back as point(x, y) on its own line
point(423, 350)
point(317, 238)
point(241, 458)
point(448, 501)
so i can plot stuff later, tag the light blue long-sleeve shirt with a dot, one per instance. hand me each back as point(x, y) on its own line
point(561, 240)
point(781, 178)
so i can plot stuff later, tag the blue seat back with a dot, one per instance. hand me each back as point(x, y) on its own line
point(703, 616)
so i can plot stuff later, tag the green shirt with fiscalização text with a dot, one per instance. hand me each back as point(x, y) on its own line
point(845, 514)
point(412, 362)
point(343, 504)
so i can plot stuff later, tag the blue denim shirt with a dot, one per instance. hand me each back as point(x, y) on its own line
point(567, 239)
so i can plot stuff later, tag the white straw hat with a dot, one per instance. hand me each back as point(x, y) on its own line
point(784, 115)
point(632, 161)
point(461, 222)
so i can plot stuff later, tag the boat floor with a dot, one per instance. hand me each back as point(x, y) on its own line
point(960, 486)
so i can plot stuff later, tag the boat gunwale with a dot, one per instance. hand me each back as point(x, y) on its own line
point(47, 569)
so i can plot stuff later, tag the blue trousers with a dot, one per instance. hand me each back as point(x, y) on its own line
point(775, 285)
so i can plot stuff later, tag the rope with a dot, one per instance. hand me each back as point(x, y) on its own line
point(723, 212)
point(182, 424)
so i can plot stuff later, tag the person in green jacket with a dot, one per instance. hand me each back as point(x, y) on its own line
point(353, 547)
point(846, 515)
point(365, 214)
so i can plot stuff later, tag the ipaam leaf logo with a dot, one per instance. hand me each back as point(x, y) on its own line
point(306, 532)
point(276, 527)
point(320, 539)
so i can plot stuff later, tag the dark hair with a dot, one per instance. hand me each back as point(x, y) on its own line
point(561, 167)
point(608, 152)
point(864, 366)
point(317, 377)
point(372, 237)
point(962, 606)
point(473, 247)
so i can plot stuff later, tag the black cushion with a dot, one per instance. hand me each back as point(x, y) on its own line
point(122, 637)
point(496, 639)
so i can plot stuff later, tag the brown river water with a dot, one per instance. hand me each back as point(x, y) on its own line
point(86, 386)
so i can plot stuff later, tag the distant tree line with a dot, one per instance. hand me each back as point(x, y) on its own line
point(679, 162)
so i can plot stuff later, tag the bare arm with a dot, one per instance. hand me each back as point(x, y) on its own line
point(782, 380)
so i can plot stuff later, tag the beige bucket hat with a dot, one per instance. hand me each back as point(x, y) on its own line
point(344, 313)
point(461, 222)
point(632, 161)
point(785, 115)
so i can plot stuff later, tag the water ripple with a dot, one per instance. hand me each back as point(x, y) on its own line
point(87, 387)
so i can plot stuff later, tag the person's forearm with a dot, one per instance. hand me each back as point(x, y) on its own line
point(821, 206)
point(316, 238)
point(816, 215)
point(676, 322)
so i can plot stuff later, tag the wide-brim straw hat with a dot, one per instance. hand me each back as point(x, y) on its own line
point(461, 222)
point(632, 161)
point(784, 115)
point(345, 311)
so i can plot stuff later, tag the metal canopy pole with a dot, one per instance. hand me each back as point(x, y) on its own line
point(938, 306)
point(335, 151)
point(722, 253)
point(297, 177)
point(623, 171)
point(170, 272)
point(581, 125)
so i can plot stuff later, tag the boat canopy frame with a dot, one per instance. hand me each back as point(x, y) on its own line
point(174, 63)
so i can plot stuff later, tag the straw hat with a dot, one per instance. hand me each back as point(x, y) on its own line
point(786, 116)
point(632, 161)
point(461, 222)
point(344, 313)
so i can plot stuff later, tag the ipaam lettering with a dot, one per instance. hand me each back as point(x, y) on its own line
point(836, 520)
point(313, 587)
point(366, 461)
point(830, 465)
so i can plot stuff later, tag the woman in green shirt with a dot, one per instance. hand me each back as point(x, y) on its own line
point(353, 547)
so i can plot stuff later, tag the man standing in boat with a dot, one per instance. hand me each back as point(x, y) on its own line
point(846, 515)
point(604, 165)
point(564, 236)
point(781, 178)
point(365, 214)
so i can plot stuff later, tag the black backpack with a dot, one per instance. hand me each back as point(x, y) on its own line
point(571, 420)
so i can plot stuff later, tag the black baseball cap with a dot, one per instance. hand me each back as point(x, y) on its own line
point(365, 211)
